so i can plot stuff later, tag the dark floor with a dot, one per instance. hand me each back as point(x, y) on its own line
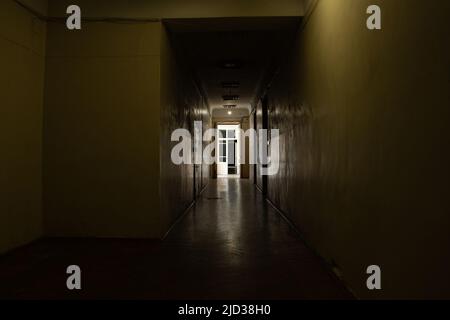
point(231, 245)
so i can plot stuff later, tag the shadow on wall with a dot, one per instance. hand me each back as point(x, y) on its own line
point(181, 105)
point(363, 172)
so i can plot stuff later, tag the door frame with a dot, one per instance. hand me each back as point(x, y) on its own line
point(228, 126)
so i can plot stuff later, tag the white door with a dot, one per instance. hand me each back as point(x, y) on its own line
point(228, 146)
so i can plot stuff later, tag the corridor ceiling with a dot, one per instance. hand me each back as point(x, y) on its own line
point(232, 59)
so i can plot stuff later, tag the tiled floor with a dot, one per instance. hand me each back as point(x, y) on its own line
point(231, 245)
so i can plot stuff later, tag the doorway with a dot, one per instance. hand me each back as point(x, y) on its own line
point(228, 155)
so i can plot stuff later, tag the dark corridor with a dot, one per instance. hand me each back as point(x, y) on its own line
point(109, 149)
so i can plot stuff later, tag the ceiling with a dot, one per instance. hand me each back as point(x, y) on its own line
point(232, 57)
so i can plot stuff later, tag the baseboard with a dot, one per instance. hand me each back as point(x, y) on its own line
point(331, 268)
point(12, 250)
point(286, 218)
point(180, 217)
point(185, 212)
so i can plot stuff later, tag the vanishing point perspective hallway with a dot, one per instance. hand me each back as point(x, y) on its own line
point(224, 150)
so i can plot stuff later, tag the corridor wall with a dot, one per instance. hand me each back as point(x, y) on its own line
point(22, 60)
point(181, 105)
point(114, 94)
point(364, 119)
point(101, 131)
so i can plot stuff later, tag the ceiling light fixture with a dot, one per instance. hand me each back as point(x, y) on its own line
point(231, 84)
point(230, 113)
point(230, 64)
point(231, 97)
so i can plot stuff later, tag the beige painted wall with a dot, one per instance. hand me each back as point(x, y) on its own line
point(181, 105)
point(40, 6)
point(22, 51)
point(101, 131)
point(181, 8)
point(364, 119)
